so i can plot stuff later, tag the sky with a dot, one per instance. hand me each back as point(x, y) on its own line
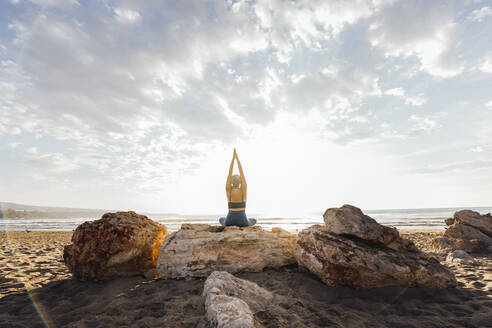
point(137, 105)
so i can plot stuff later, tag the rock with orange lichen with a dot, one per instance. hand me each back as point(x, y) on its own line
point(118, 244)
point(346, 260)
point(196, 250)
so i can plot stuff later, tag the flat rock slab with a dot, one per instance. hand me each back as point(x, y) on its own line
point(230, 301)
point(196, 250)
point(354, 262)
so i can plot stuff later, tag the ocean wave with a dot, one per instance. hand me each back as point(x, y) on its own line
point(399, 218)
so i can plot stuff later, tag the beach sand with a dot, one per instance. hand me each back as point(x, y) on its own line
point(36, 290)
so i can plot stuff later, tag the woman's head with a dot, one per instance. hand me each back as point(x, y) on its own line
point(235, 181)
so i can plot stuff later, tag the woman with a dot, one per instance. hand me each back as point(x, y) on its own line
point(236, 190)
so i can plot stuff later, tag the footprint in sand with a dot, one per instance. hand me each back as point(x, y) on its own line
point(478, 284)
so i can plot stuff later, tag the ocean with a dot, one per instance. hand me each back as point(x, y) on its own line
point(418, 218)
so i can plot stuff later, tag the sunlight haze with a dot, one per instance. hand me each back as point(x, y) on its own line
point(138, 105)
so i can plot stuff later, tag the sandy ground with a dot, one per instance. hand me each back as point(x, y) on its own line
point(36, 290)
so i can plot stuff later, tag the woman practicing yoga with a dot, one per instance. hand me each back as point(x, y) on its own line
point(236, 190)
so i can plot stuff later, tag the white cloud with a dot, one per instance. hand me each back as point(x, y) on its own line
point(338, 88)
point(489, 104)
point(455, 167)
point(55, 162)
point(7, 126)
point(422, 124)
point(14, 144)
point(10, 130)
point(293, 24)
point(417, 100)
point(7, 90)
point(480, 14)
point(55, 3)
point(136, 94)
point(125, 15)
point(423, 29)
point(398, 92)
point(477, 149)
point(486, 65)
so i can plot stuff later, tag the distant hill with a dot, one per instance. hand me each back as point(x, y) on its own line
point(22, 207)
point(17, 211)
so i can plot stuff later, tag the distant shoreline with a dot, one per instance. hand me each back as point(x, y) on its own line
point(24, 217)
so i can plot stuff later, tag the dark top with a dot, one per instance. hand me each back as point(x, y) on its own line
point(237, 205)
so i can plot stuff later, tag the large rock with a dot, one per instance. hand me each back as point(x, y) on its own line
point(230, 302)
point(196, 250)
point(349, 220)
point(118, 244)
point(446, 245)
point(459, 256)
point(475, 220)
point(468, 231)
point(354, 262)
point(463, 231)
point(449, 221)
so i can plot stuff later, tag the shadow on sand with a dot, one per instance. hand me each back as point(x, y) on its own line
point(301, 301)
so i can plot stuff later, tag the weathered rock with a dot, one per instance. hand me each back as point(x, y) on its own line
point(230, 301)
point(463, 231)
point(446, 245)
point(468, 231)
point(118, 244)
point(349, 220)
point(225, 311)
point(354, 262)
point(449, 221)
point(459, 256)
point(475, 220)
point(196, 250)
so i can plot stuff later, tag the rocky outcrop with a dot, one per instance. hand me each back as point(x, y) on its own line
point(475, 220)
point(231, 302)
point(463, 231)
point(446, 245)
point(449, 221)
point(354, 262)
point(196, 250)
point(349, 220)
point(459, 257)
point(118, 244)
point(353, 250)
point(468, 231)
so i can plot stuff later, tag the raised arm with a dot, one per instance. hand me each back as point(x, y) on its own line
point(228, 182)
point(244, 186)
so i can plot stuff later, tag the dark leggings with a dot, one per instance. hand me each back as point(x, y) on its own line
point(237, 218)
